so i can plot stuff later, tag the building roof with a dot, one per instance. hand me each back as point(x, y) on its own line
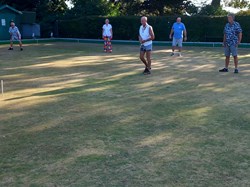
point(10, 8)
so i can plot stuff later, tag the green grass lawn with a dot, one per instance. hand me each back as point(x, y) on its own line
point(74, 116)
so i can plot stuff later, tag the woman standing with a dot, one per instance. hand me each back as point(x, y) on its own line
point(107, 34)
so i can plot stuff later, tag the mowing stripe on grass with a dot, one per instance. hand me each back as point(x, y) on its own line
point(125, 42)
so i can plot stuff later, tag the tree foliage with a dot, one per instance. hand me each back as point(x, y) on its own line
point(28, 5)
point(216, 4)
point(92, 7)
point(209, 10)
point(238, 3)
point(53, 9)
point(154, 7)
point(43, 8)
point(216, 9)
point(244, 13)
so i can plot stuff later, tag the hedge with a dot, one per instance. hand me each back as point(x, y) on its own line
point(200, 28)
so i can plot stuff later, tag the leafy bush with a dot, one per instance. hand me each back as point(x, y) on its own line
point(200, 28)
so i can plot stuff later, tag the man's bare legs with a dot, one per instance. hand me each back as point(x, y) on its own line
point(148, 56)
point(236, 61)
point(142, 54)
point(147, 62)
point(227, 60)
point(20, 45)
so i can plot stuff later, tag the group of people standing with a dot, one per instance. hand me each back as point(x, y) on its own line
point(232, 38)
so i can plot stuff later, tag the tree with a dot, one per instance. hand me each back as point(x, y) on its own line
point(216, 3)
point(210, 10)
point(214, 9)
point(128, 7)
point(43, 8)
point(28, 5)
point(162, 7)
point(92, 7)
point(231, 3)
point(244, 13)
point(154, 7)
point(238, 3)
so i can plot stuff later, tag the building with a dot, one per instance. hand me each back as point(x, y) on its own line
point(7, 14)
point(25, 21)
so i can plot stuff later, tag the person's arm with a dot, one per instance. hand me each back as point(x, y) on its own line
point(139, 36)
point(152, 34)
point(239, 38)
point(111, 31)
point(10, 32)
point(140, 39)
point(18, 34)
point(171, 33)
point(239, 32)
point(224, 41)
point(185, 35)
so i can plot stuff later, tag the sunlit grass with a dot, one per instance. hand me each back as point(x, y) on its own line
point(74, 116)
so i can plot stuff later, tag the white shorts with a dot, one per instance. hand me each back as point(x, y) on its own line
point(177, 42)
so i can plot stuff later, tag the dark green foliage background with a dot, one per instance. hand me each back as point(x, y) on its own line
point(200, 28)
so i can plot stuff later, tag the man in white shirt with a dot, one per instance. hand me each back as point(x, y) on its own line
point(146, 36)
point(14, 35)
point(107, 34)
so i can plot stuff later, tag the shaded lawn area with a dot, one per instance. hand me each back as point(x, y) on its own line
point(74, 116)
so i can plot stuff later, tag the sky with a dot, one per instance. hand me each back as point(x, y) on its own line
point(69, 4)
point(200, 2)
point(229, 9)
point(196, 2)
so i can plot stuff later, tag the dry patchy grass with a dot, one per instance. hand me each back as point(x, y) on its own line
point(73, 116)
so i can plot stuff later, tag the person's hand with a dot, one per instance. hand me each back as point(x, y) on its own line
point(185, 39)
point(223, 44)
point(140, 40)
point(170, 37)
point(143, 41)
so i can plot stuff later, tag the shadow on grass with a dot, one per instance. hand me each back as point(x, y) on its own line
point(177, 127)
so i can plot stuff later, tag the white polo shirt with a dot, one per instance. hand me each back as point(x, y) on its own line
point(145, 34)
point(107, 30)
